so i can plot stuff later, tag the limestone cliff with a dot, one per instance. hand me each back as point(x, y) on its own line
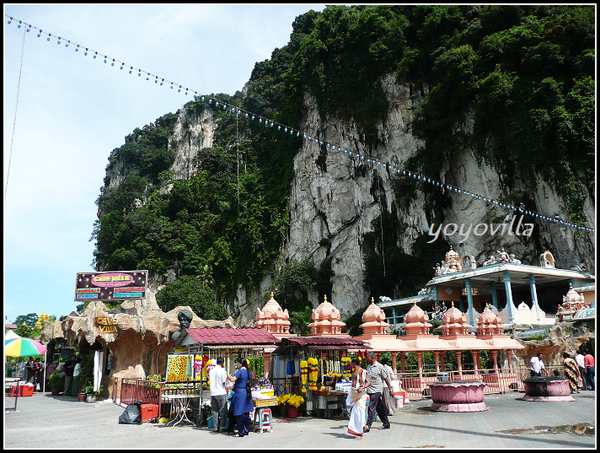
point(337, 197)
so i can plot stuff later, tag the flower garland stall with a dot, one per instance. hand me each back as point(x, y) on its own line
point(324, 380)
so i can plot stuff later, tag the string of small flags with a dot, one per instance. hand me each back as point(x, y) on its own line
point(215, 103)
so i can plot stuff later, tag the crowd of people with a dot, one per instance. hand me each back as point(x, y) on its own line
point(579, 371)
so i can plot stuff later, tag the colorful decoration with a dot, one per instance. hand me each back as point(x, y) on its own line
point(313, 373)
point(347, 373)
point(290, 399)
point(304, 374)
point(176, 366)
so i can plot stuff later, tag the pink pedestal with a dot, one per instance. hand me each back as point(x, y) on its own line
point(544, 388)
point(460, 396)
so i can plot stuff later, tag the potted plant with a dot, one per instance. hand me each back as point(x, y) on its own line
point(57, 382)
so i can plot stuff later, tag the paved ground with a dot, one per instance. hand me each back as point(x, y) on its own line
point(58, 422)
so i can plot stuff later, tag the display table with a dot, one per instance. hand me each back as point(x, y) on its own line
point(180, 406)
point(328, 398)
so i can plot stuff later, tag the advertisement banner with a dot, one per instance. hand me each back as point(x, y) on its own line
point(111, 285)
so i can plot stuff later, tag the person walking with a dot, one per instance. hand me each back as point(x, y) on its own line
point(537, 365)
point(377, 376)
point(242, 399)
point(581, 366)
point(571, 371)
point(69, 368)
point(218, 396)
point(357, 399)
point(388, 396)
point(589, 363)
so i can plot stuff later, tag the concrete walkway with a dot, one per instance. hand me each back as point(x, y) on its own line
point(44, 422)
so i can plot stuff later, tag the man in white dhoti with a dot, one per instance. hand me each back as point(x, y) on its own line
point(357, 399)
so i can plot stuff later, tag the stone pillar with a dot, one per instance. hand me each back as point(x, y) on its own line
point(509, 299)
point(459, 362)
point(395, 365)
point(508, 356)
point(436, 355)
point(470, 300)
point(420, 364)
point(442, 359)
point(534, 297)
point(495, 359)
point(403, 361)
point(494, 295)
point(267, 359)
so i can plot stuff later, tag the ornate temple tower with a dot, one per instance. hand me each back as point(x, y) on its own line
point(326, 321)
point(273, 318)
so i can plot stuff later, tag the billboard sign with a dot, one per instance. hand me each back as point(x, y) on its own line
point(111, 285)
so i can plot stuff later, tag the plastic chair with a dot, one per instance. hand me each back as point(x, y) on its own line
point(265, 419)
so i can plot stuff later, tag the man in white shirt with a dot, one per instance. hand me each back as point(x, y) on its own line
point(581, 366)
point(537, 366)
point(218, 396)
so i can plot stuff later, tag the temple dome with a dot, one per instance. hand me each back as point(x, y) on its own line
point(416, 321)
point(374, 320)
point(273, 318)
point(455, 322)
point(326, 320)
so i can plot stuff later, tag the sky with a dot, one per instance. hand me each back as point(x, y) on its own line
point(65, 112)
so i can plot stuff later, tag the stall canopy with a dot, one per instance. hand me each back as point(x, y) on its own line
point(224, 337)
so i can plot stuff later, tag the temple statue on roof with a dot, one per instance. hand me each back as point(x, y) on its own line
point(326, 320)
point(452, 263)
point(274, 319)
point(573, 302)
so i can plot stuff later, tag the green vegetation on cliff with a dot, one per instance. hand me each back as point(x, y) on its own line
point(515, 83)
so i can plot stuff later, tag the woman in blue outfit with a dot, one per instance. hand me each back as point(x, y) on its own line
point(242, 399)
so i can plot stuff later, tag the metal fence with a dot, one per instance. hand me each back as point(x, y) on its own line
point(11, 393)
point(416, 385)
point(128, 390)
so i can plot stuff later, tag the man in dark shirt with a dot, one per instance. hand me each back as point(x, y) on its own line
point(69, 367)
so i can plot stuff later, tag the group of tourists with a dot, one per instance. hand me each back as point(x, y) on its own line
point(580, 371)
point(374, 385)
point(234, 390)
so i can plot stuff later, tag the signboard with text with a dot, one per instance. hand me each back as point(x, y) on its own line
point(112, 285)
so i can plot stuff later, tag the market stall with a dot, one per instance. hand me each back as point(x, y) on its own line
point(316, 368)
point(196, 350)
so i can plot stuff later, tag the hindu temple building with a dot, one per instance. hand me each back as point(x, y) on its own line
point(523, 294)
point(375, 334)
point(273, 318)
point(326, 321)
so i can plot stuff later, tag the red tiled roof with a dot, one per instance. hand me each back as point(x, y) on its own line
point(230, 335)
point(328, 342)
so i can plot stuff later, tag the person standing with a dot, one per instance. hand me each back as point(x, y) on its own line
point(571, 371)
point(377, 376)
point(218, 396)
point(36, 368)
point(76, 375)
point(589, 362)
point(388, 396)
point(581, 367)
point(357, 399)
point(537, 365)
point(242, 398)
point(69, 368)
point(29, 376)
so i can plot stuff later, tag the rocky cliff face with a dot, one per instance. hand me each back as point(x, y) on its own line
point(337, 197)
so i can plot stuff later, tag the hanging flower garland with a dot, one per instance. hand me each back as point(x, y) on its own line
point(313, 373)
point(304, 374)
point(346, 367)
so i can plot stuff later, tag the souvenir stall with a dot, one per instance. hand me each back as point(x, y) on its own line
point(317, 369)
point(196, 350)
